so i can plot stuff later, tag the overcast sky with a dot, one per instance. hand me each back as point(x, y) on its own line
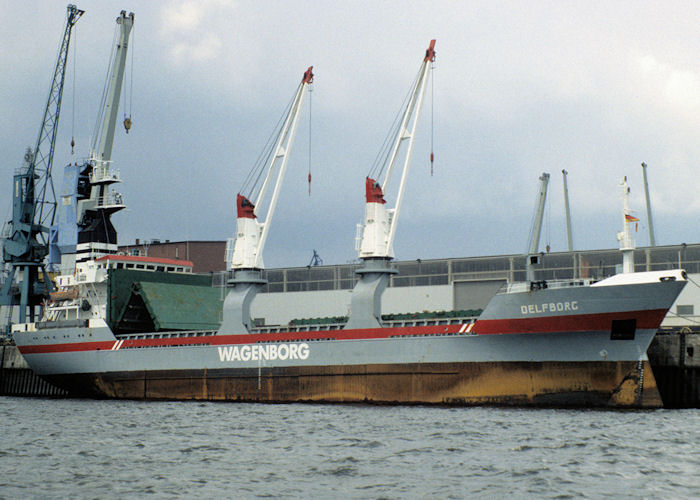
point(520, 88)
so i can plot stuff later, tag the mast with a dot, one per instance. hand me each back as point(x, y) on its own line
point(533, 257)
point(652, 240)
point(627, 243)
point(569, 238)
point(375, 238)
point(244, 254)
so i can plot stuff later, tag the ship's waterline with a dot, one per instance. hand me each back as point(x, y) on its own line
point(600, 384)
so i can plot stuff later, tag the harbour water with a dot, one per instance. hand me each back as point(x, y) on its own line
point(128, 449)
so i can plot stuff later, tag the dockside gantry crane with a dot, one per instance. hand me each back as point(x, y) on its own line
point(375, 238)
point(84, 230)
point(244, 253)
point(26, 242)
point(95, 201)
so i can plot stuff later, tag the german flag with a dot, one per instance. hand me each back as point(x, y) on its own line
point(630, 218)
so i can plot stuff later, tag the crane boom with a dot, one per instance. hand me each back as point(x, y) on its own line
point(245, 271)
point(379, 229)
point(251, 234)
point(104, 140)
point(46, 140)
point(652, 240)
point(34, 198)
point(375, 238)
point(567, 211)
point(536, 230)
point(539, 213)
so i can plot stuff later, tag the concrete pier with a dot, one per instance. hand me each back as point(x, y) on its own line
point(674, 355)
point(17, 379)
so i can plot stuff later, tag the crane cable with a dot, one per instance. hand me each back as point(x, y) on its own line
point(310, 94)
point(127, 119)
point(432, 113)
point(101, 110)
point(251, 182)
point(549, 227)
point(72, 131)
point(382, 158)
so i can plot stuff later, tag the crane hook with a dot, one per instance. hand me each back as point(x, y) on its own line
point(127, 123)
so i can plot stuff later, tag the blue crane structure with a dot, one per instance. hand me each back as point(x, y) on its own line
point(26, 242)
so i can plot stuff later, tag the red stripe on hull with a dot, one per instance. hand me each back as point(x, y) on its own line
point(573, 323)
point(550, 324)
point(75, 346)
point(364, 334)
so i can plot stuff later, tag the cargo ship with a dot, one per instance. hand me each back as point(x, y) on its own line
point(121, 326)
point(570, 344)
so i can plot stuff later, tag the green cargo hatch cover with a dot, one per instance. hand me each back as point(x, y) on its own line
point(168, 306)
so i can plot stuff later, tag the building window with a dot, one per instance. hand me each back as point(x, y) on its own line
point(685, 310)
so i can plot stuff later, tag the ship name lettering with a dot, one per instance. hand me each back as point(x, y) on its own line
point(259, 352)
point(549, 307)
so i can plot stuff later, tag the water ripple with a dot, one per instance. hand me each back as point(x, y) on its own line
point(128, 449)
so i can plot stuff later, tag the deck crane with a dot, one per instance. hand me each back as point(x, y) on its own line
point(85, 230)
point(375, 238)
point(533, 257)
point(244, 253)
point(34, 201)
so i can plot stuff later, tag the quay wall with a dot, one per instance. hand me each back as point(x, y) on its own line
point(674, 357)
point(17, 379)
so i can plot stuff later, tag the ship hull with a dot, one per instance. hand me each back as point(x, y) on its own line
point(583, 346)
point(405, 365)
point(549, 384)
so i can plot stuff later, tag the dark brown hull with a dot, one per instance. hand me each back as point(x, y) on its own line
point(622, 384)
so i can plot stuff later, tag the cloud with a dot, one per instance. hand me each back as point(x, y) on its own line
point(185, 28)
point(204, 49)
point(680, 88)
point(185, 16)
point(519, 89)
point(683, 89)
